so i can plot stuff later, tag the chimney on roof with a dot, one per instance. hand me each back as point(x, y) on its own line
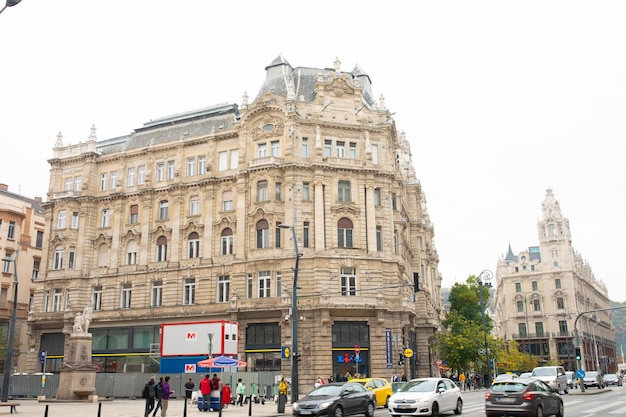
point(4, 187)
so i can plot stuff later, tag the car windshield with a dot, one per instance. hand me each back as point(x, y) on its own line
point(508, 387)
point(544, 372)
point(419, 385)
point(591, 374)
point(333, 390)
point(610, 376)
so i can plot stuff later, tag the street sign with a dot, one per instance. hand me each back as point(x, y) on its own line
point(357, 349)
point(408, 352)
point(580, 373)
point(481, 351)
point(42, 356)
point(286, 352)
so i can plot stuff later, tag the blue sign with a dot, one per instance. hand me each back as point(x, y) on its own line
point(388, 348)
point(580, 373)
point(42, 356)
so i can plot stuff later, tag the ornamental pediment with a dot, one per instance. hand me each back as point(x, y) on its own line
point(339, 87)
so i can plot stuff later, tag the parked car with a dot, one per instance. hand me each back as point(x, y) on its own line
point(572, 381)
point(612, 379)
point(380, 386)
point(503, 377)
point(336, 399)
point(426, 397)
point(523, 396)
point(593, 379)
point(554, 376)
point(525, 374)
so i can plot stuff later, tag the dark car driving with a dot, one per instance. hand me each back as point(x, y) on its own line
point(522, 397)
point(336, 399)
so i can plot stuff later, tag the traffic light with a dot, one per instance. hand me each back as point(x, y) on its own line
point(401, 360)
point(578, 355)
point(416, 282)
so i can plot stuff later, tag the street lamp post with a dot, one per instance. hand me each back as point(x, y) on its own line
point(530, 351)
point(9, 3)
point(9, 357)
point(486, 276)
point(295, 356)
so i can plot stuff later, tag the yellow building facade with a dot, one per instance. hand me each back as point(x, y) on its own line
point(180, 221)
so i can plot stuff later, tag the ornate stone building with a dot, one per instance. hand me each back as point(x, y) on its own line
point(22, 226)
point(540, 293)
point(180, 222)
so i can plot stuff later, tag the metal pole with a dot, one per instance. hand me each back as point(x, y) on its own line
point(294, 322)
point(486, 275)
point(9, 357)
point(530, 351)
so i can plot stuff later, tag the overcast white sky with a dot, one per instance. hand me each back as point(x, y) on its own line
point(499, 99)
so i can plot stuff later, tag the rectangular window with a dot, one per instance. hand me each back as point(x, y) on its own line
point(328, 148)
point(74, 220)
point(141, 175)
point(557, 283)
point(532, 268)
point(223, 288)
point(96, 297)
point(560, 303)
point(189, 291)
point(227, 203)
point(39, 239)
point(261, 191)
point(305, 234)
point(113, 180)
point(127, 290)
point(36, 264)
point(343, 192)
point(375, 154)
point(106, 218)
point(264, 284)
point(306, 192)
point(3, 298)
point(377, 199)
point(261, 150)
point(234, 158)
point(249, 286)
point(535, 286)
point(518, 287)
point(131, 258)
point(278, 284)
point(539, 329)
point(520, 306)
point(160, 172)
point(275, 148)
point(563, 327)
point(57, 299)
point(278, 235)
point(278, 191)
point(352, 151)
point(104, 178)
point(131, 177)
point(71, 258)
point(536, 305)
point(193, 248)
point(305, 148)
point(7, 262)
point(379, 238)
point(68, 184)
point(191, 164)
point(194, 206)
point(46, 301)
point(11, 230)
point(340, 149)
point(227, 245)
point(156, 295)
point(78, 183)
point(60, 221)
point(222, 161)
point(348, 281)
point(522, 329)
point(201, 164)
point(134, 214)
point(170, 170)
point(163, 210)
point(58, 258)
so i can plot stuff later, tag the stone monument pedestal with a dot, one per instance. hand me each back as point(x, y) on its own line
point(77, 379)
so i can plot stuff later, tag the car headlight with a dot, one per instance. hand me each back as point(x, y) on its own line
point(325, 405)
point(295, 406)
point(423, 400)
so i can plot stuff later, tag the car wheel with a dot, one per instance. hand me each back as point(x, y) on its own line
point(539, 412)
point(561, 410)
point(434, 412)
point(371, 409)
point(566, 391)
point(387, 402)
point(338, 412)
point(459, 406)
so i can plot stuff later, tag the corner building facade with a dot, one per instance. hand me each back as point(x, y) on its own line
point(540, 293)
point(180, 222)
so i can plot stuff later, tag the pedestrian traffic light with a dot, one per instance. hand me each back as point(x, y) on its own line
point(401, 360)
point(416, 282)
point(578, 355)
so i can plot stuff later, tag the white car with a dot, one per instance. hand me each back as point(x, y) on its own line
point(426, 397)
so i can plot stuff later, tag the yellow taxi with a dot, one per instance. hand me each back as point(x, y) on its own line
point(380, 386)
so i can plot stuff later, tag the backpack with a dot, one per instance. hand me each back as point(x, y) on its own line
point(144, 393)
point(159, 390)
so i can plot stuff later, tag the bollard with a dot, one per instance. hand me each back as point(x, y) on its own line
point(99, 409)
point(250, 406)
point(45, 413)
point(221, 405)
point(185, 409)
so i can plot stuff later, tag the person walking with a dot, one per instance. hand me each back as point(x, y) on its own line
point(189, 386)
point(149, 392)
point(226, 395)
point(282, 394)
point(159, 397)
point(241, 392)
point(462, 380)
point(205, 390)
point(167, 391)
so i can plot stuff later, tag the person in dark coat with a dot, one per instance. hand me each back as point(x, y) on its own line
point(189, 386)
point(149, 394)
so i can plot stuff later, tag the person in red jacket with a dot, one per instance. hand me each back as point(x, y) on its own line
point(205, 390)
point(226, 395)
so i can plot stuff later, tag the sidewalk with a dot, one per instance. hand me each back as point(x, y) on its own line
point(135, 408)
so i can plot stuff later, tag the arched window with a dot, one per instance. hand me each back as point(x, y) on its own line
point(262, 234)
point(193, 245)
point(161, 249)
point(103, 255)
point(131, 252)
point(344, 233)
point(227, 242)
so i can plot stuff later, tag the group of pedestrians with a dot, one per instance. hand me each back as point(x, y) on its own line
point(157, 395)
